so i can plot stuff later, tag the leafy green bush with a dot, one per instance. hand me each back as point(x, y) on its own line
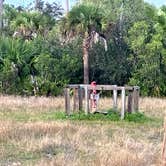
point(30, 68)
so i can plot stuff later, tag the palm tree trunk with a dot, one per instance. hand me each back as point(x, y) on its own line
point(36, 4)
point(67, 6)
point(1, 13)
point(86, 65)
point(86, 59)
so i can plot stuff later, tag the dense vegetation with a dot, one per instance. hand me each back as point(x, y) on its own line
point(42, 49)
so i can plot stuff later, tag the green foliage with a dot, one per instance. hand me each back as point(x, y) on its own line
point(84, 18)
point(14, 68)
point(146, 40)
point(111, 67)
point(43, 65)
point(27, 68)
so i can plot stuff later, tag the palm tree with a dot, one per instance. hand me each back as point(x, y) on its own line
point(84, 20)
point(23, 25)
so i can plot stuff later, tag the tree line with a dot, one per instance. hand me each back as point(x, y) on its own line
point(42, 48)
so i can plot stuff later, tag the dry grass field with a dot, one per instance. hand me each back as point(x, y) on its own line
point(29, 137)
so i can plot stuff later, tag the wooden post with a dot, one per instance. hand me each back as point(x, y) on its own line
point(115, 97)
point(123, 96)
point(67, 101)
point(80, 98)
point(130, 102)
point(75, 98)
point(164, 145)
point(86, 100)
point(136, 99)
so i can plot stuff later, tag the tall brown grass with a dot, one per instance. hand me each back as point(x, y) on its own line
point(69, 143)
point(66, 143)
point(151, 106)
point(15, 103)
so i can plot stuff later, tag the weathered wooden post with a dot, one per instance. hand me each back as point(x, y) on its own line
point(86, 100)
point(67, 101)
point(136, 99)
point(164, 145)
point(80, 98)
point(130, 102)
point(123, 96)
point(75, 98)
point(115, 94)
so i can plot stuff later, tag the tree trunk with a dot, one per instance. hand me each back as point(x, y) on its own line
point(36, 4)
point(1, 13)
point(67, 6)
point(86, 59)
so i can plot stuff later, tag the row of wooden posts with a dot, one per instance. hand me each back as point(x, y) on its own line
point(81, 91)
point(132, 104)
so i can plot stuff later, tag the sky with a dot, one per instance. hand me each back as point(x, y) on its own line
point(157, 3)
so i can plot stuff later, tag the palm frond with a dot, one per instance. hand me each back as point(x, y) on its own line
point(81, 19)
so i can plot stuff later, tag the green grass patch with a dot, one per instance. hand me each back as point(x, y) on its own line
point(138, 117)
point(113, 115)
